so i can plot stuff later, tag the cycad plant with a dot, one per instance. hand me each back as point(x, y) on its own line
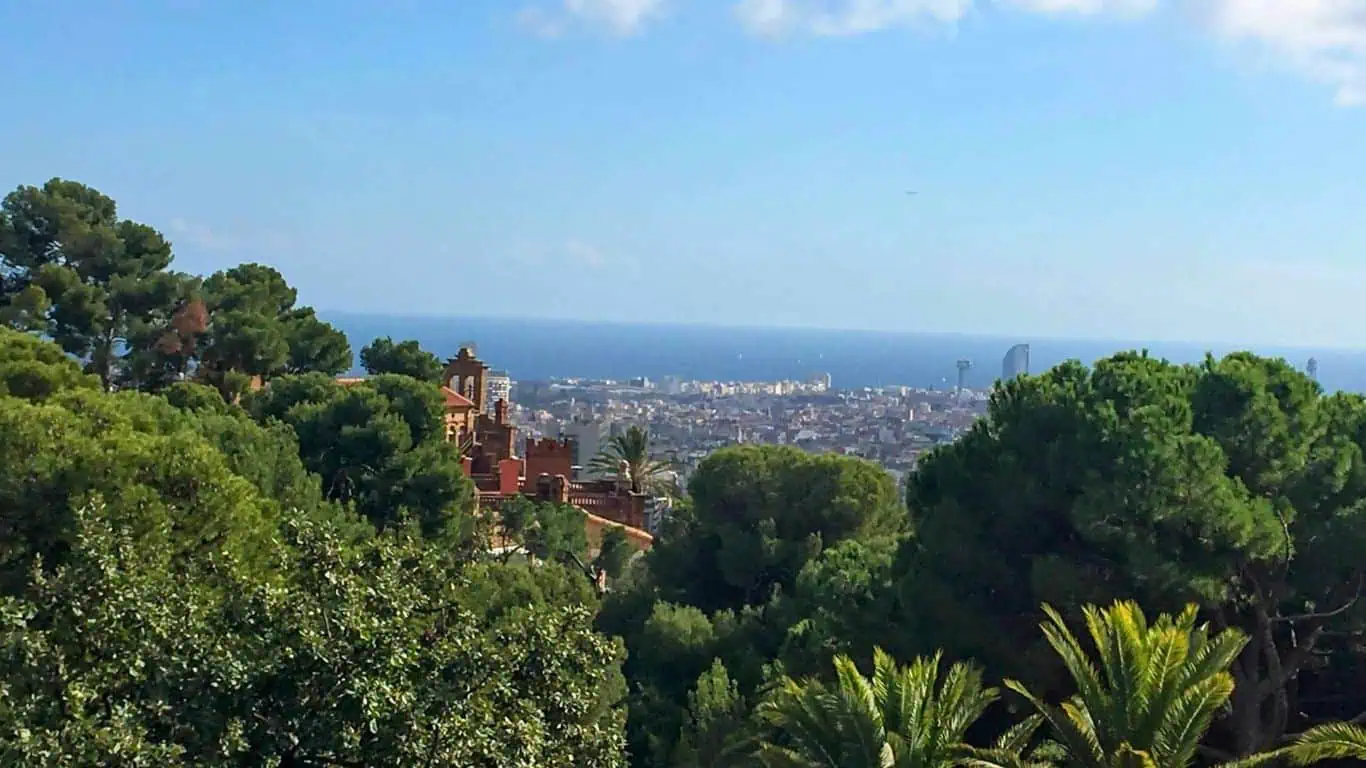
point(1333, 741)
point(629, 454)
point(1149, 696)
point(902, 717)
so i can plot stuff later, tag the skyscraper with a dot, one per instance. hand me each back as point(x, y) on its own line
point(499, 386)
point(1016, 362)
point(1312, 368)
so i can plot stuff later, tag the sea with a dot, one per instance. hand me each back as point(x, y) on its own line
point(537, 350)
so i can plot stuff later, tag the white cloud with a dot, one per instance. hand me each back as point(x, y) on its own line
point(839, 18)
point(1085, 7)
point(618, 17)
point(1323, 39)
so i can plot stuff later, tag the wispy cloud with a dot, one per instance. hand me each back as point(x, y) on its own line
point(573, 253)
point(584, 255)
point(1323, 39)
point(774, 18)
point(206, 238)
point(839, 18)
point(621, 18)
point(1085, 7)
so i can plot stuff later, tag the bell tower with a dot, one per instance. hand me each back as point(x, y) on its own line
point(465, 374)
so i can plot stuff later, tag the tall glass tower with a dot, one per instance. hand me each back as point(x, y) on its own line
point(1016, 362)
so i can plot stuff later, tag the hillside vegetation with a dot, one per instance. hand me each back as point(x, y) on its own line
point(1134, 563)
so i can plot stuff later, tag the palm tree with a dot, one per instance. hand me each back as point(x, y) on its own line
point(903, 717)
point(1151, 697)
point(628, 456)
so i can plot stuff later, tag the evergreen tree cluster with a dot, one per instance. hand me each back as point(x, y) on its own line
point(212, 552)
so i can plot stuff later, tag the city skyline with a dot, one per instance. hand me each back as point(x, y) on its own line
point(1131, 169)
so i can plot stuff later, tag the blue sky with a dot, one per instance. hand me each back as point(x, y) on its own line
point(1151, 169)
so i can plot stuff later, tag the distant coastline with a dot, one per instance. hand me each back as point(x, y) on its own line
point(535, 349)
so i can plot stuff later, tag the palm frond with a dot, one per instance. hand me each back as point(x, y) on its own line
point(1335, 741)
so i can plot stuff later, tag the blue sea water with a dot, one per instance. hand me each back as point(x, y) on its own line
point(542, 349)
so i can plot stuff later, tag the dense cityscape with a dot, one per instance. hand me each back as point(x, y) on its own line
point(687, 420)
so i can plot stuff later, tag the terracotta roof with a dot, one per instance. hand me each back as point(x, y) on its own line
point(455, 399)
point(347, 381)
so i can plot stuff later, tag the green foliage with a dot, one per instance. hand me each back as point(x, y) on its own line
point(76, 272)
point(628, 456)
point(1232, 484)
point(35, 369)
point(378, 445)
point(716, 732)
point(405, 358)
point(614, 552)
point(255, 329)
point(1149, 694)
point(759, 514)
point(159, 482)
point(841, 600)
point(1334, 741)
point(366, 655)
point(902, 716)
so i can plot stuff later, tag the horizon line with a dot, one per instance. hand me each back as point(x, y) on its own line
point(1125, 344)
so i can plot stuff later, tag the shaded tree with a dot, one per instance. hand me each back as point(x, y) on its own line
point(614, 552)
point(406, 358)
point(717, 732)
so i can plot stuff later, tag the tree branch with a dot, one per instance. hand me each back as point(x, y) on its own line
point(1326, 614)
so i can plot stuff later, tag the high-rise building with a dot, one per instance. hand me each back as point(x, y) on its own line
point(1313, 368)
point(1016, 362)
point(963, 367)
point(588, 439)
point(499, 386)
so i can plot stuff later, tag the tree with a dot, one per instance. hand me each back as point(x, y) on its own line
point(315, 345)
point(69, 267)
point(614, 552)
point(902, 716)
point(628, 456)
point(759, 514)
point(378, 445)
point(1232, 484)
point(406, 358)
point(165, 353)
point(719, 579)
point(255, 329)
point(365, 654)
point(1149, 695)
point(716, 732)
point(164, 482)
point(841, 600)
point(35, 369)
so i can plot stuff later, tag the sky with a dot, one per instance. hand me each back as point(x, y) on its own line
point(1154, 169)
